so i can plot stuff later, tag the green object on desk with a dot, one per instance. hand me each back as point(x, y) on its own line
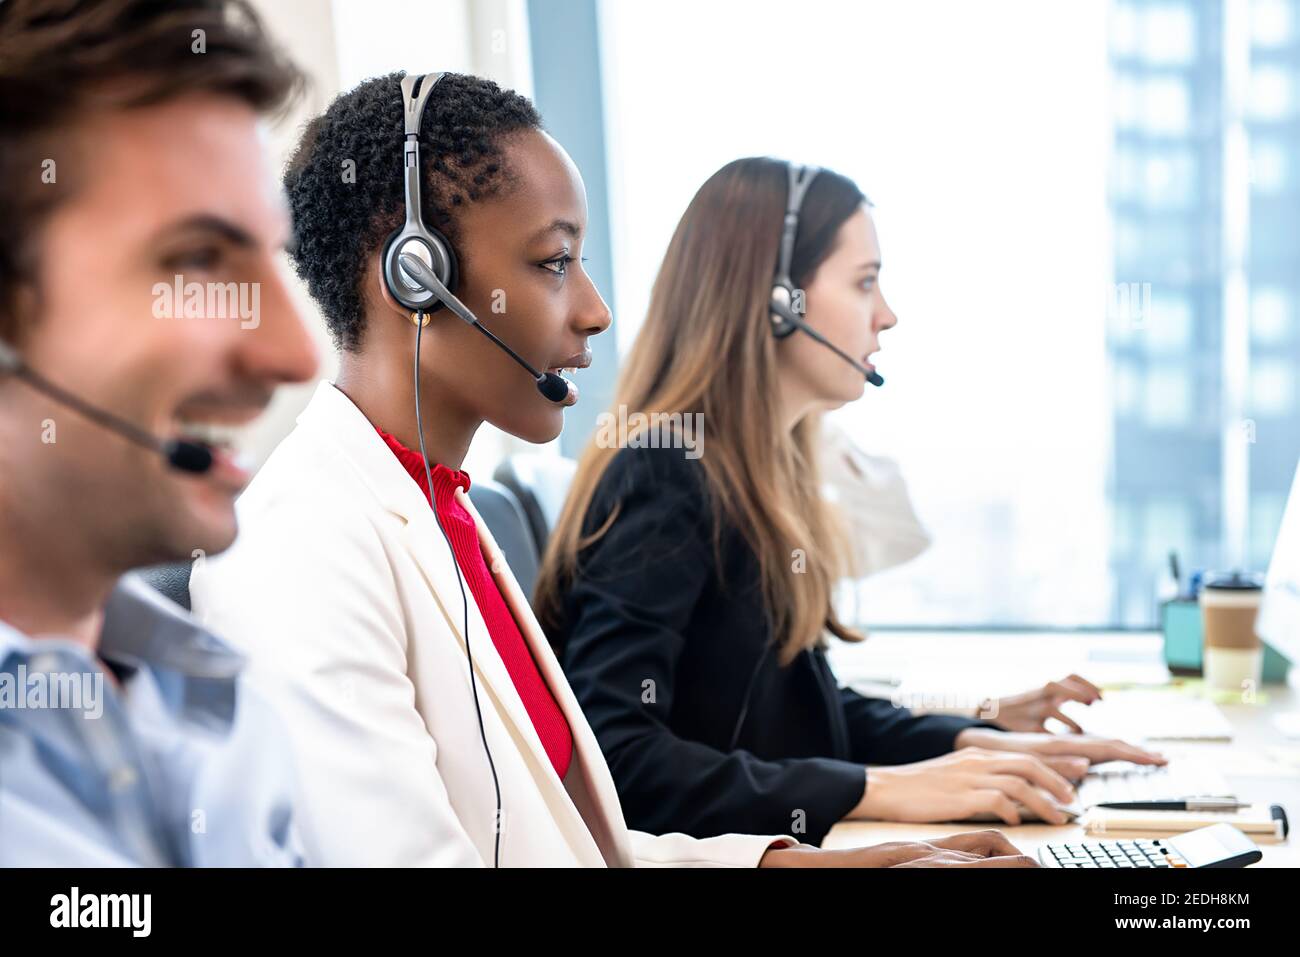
point(1180, 620)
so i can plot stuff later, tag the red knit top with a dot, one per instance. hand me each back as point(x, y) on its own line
point(548, 720)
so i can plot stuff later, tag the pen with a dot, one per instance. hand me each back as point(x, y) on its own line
point(1196, 804)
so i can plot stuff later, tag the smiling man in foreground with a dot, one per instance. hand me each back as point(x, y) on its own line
point(132, 160)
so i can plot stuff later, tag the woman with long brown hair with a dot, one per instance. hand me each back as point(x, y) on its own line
point(687, 586)
point(430, 722)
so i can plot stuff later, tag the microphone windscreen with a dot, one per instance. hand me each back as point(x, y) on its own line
point(876, 379)
point(189, 457)
point(554, 387)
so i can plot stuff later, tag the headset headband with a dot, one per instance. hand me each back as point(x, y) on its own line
point(414, 237)
point(413, 103)
point(801, 178)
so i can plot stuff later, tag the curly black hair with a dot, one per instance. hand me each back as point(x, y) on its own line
point(340, 219)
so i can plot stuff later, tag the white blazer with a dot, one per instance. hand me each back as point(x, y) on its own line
point(344, 594)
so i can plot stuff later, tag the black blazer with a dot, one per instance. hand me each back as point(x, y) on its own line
point(660, 643)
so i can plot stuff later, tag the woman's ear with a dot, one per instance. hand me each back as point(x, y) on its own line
point(385, 300)
point(386, 294)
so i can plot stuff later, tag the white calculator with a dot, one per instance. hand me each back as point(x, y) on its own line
point(1219, 845)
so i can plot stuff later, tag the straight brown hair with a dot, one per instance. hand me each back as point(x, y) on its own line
point(712, 291)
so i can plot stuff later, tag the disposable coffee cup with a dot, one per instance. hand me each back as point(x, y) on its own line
point(1233, 656)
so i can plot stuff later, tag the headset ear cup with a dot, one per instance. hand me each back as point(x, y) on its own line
point(386, 267)
point(781, 327)
point(441, 258)
point(389, 268)
point(781, 299)
point(449, 271)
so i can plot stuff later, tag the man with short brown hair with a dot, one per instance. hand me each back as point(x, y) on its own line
point(143, 316)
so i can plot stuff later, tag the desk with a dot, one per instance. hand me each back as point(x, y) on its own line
point(1016, 661)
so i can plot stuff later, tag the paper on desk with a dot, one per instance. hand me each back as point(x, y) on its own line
point(1153, 715)
point(1256, 820)
point(1233, 761)
point(1288, 722)
point(1285, 756)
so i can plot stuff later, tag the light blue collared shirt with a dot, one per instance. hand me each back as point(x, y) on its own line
point(182, 765)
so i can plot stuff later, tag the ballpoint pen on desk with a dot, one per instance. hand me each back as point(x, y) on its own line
point(1194, 804)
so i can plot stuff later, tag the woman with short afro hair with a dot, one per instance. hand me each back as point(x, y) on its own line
point(432, 723)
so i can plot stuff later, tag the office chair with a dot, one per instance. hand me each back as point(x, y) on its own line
point(541, 484)
point(508, 524)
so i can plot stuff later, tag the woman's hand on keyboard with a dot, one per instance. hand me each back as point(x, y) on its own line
point(1057, 749)
point(1031, 710)
point(970, 783)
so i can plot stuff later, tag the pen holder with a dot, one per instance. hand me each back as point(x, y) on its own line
point(1180, 620)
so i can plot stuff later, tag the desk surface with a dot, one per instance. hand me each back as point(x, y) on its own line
point(1038, 659)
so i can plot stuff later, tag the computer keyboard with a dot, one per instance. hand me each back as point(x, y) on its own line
point(1119, 781)
point(1115, 782)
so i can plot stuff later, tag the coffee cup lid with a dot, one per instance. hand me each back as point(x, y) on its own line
point(1236, 581)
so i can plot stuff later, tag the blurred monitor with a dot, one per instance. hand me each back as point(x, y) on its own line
point(1279, 614)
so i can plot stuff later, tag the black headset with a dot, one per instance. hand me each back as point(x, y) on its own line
point(414, 237)
point(786, 297)
point(418, 289)
point(787, 300)
point(419, 263)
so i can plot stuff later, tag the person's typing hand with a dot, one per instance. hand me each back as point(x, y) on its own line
point(1070, 754)
point(969, 849)
point(972, 782)
point(1030, 710)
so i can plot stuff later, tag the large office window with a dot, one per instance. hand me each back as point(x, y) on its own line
point(1207, 427)
point(981, 134)
point(1092, 309)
